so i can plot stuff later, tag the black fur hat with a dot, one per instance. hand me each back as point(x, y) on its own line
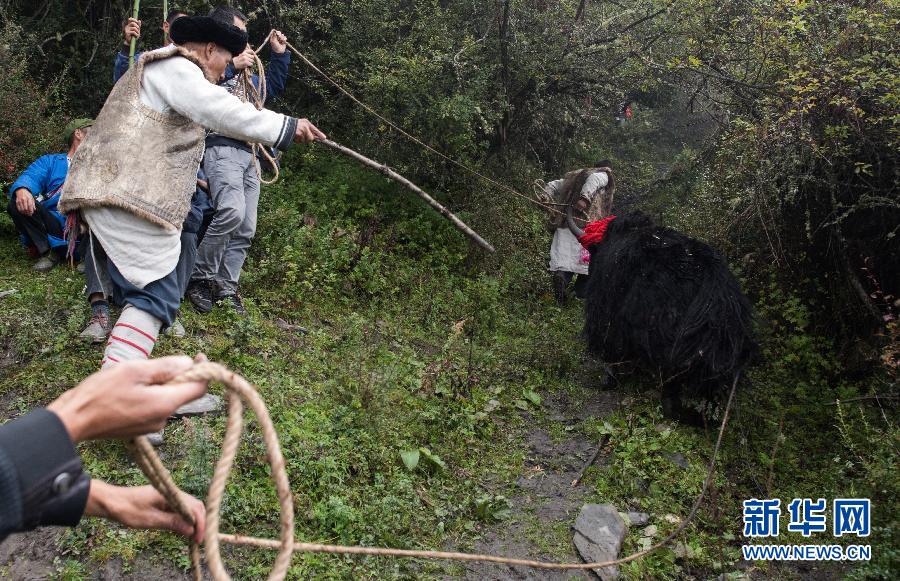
point(206, 29)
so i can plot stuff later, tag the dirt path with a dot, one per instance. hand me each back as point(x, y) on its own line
point(546, 504)
point(35, 556)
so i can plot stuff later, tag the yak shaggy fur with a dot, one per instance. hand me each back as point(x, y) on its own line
point(670, 304)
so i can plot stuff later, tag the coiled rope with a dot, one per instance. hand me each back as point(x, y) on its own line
point(239, 391)
point(247, 91)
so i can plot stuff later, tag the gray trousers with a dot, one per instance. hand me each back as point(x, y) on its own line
point(234, 189)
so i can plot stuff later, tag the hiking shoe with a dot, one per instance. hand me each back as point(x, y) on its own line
point(233, 302)
point(200, 293)
point(47, 262)
point(176, 329)
point(98, 327)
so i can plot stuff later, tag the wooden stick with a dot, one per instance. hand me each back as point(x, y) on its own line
point(603, 441)
point(137, 7)
point(410, 186)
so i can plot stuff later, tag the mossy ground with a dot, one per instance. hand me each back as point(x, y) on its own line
point(412, 340)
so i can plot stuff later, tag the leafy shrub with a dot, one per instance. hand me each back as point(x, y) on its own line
point(31, 114)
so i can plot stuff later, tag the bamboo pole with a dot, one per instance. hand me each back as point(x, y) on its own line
point(381, 168)
point(137, 7)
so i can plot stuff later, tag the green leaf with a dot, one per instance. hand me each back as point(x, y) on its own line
point(410, 458)
point(532, 396)
point(432, 459)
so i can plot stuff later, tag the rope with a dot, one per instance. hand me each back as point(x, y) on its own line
point(247, 91)
point(239, 391)
point(548, 206)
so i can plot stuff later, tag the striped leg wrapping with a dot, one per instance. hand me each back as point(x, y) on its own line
point(133, 337)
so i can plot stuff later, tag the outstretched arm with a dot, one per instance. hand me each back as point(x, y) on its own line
point(41, 477)
point(187, 91)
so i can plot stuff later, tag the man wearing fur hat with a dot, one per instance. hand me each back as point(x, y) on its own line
point(132, 178)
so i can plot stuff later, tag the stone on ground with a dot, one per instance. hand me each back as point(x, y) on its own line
point(599, 531)
point(202, 405)
point(637, 519)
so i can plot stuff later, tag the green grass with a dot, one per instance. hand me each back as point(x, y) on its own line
point(414, 341)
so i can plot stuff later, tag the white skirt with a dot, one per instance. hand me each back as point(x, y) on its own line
point(565, 253)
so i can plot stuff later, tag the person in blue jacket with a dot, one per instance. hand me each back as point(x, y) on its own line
point(234, 184)
point(33, 197)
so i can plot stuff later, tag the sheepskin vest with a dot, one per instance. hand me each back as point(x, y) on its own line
point(570, 191)
point(137, 158)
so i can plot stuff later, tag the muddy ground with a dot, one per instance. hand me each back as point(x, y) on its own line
point(34, 556)
point(545, 491)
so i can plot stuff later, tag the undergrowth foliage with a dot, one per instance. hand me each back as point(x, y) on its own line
point(402, 366)
point(31, 113)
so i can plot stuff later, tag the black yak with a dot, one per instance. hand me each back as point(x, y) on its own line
point(668, 303)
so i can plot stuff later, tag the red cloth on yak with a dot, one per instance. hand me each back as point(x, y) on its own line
point(595, 231)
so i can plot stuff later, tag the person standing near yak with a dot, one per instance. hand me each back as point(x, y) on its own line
point(132, 179)
point(234, 183)
point(581, 189)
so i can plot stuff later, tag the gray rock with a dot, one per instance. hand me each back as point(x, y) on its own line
point(638, 519)
point(678, 460)
point(599, 531)
point(207, 403)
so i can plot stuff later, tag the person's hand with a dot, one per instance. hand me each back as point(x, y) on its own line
point(203, 185)
point(277, 42)
point(126, 400)
point(132, 30)
point(24, 202)
point(244, 60)
point(142, 507)
point(307, 132)
point(581, 204)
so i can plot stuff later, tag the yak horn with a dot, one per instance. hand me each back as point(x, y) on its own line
point(570, 220)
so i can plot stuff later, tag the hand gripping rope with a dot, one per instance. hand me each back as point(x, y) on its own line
point(239, 391)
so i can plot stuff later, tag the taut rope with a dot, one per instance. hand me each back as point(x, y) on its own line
point(247, 91)
point(238, 390)
point(547, 206)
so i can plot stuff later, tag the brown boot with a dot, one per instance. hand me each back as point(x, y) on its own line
point(559, 282)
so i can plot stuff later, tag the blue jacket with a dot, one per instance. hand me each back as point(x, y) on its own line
point(121, 66)
point(44, 179)
point(276, 74)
